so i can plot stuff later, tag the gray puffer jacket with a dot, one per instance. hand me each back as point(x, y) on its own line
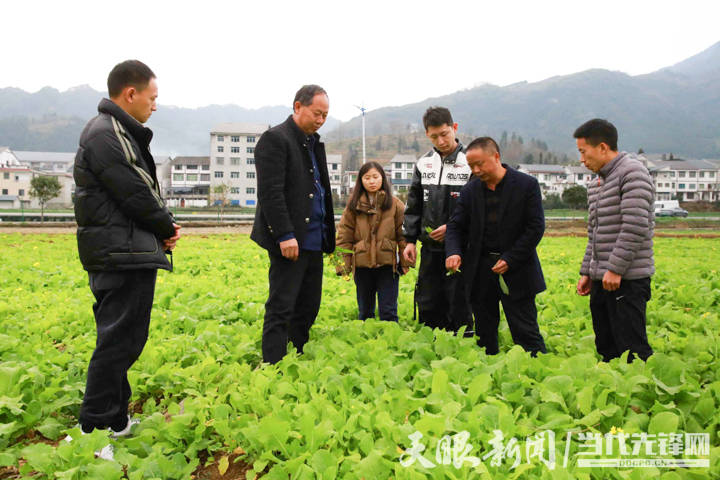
point(620, 221)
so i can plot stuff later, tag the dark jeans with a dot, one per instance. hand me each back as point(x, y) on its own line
point(440, 298)
point(521, 314)
point(293, 303)
point(123, 301)
point(619, 319)
point(382, 282)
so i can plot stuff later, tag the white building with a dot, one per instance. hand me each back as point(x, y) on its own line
point(686, 180)
point(335, 172)
point(57, 162)
point(232, 160)
point(553, 179)
point(189, 182)
point(400, 171)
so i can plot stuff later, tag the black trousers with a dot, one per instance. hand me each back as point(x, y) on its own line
point(381, 282)
point(521, 313)
point(440, 298)
point(293, 303)
point(123, 301)
point(619, 319)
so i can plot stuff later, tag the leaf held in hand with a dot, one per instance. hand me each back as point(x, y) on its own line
point(503, 286)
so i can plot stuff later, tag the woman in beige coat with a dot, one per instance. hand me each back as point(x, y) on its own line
point(371, 226)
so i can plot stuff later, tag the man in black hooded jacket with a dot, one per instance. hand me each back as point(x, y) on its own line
point(124, 230)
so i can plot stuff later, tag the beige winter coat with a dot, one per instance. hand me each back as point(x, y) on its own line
point(374, 235)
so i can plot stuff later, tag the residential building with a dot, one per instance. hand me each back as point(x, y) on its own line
point(335, 172)
point(58, 162)
point(686, 180)
point(400, 172)
point(232, 160)
point(189, 182)
point(553, 179)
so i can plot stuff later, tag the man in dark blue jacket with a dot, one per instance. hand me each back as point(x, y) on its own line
point(294, 221)
point(124, 230)
point(496, 225)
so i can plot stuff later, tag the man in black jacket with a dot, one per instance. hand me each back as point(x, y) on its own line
point(124, 229)
point(294, 221)
point(497, 223)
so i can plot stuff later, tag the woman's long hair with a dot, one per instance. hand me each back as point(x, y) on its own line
point(360, 189)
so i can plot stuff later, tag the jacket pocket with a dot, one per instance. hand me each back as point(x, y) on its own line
point(360, 247)
point(142, 241)
point(387, 245)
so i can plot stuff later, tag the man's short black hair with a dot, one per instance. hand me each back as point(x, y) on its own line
point(437, 117)
point(597, 131)
point(130, 73)
point(486, 143)
point(306, 94)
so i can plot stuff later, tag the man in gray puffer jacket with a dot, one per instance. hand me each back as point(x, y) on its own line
point(618, 261)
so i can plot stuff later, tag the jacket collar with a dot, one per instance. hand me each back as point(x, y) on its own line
point(363, 204)
point(453, 156)
point(610, 166)
point(299, 134)
point(139, 132)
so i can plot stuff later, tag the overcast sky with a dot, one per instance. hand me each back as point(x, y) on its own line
point(380, 53)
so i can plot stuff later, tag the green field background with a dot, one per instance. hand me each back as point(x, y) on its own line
point(346, 407)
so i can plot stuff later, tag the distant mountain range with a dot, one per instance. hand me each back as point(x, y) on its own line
point(675, 109)
point(50, 120)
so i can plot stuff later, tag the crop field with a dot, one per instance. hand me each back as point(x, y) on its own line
point(368, 400)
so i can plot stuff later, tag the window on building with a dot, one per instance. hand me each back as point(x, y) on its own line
point(221, 138)
point(690, 195)
point(204, 177)
point(672, 174)
point(178, 177)
point(234, 149)
point(5, 192)
point(701, 186)
point(191, 167)
point(250, 139)
point(234, 174)
point(220, 160)
point(408, 175)
point(250, 175)
point(579, 177)
point(702, 174)
point(335, 166)
point(192, 177)
point(681, 174)
point(235, 138)
point(179, 167)
point(250, 191)
point(336, 178)
point(6, 176)
point(711, 174)
point(234, 160)
point(692, 174)
point(408, 165)
point(221, 148)
point(398, 164)
point(398, 175)
point(21, 192)
point(250, 149)
point(251, 161)
point(234, 190)
point(218, 174)
point(206, 167)
point(681, 186)
point(691, 186)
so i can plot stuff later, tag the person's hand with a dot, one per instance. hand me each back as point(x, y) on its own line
point(289, 249)
point(500, 267)
point(583, 286)
point(169, 243)
point(453, 263)
point(410, 253)
point(439, 233)
point(611, 281)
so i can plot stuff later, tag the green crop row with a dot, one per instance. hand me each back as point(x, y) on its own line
point(348, 406)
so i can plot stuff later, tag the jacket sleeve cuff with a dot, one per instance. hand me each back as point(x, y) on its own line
point(287, 236)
